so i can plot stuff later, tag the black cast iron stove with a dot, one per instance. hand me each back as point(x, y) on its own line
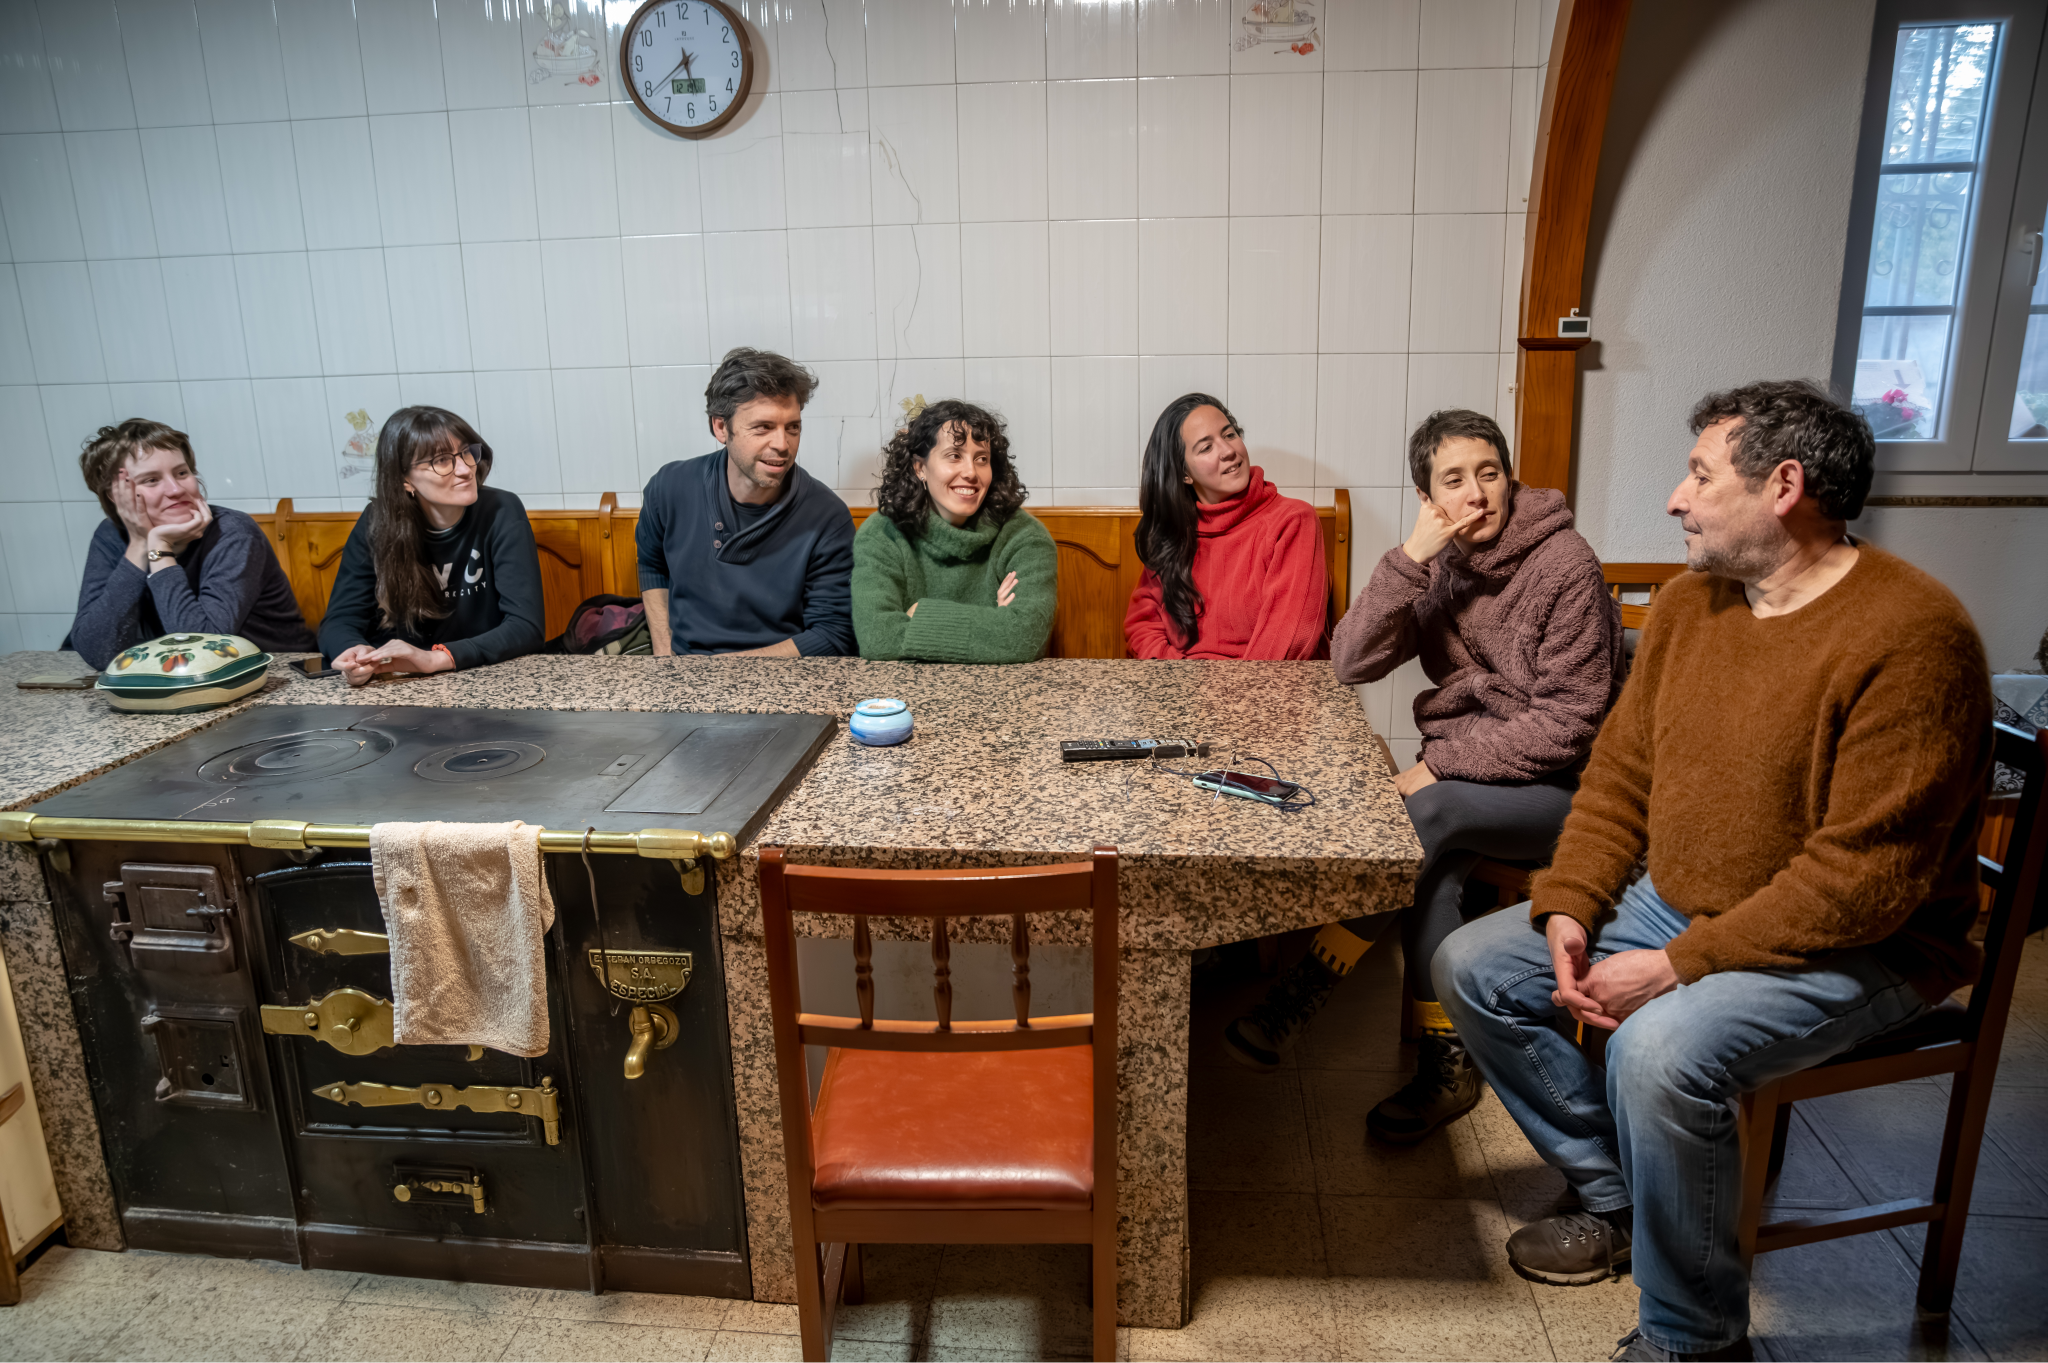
point(234, 1000)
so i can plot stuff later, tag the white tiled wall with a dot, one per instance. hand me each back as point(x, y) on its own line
point(255, 217)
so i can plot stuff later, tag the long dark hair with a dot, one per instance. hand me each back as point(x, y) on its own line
point(1167, 519)
point(902, 496)
point(408, 592)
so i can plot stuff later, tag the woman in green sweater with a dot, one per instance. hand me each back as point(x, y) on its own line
point(948, 570)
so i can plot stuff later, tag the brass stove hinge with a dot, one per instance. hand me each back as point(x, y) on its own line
point(544, 1104)
point(342, 942)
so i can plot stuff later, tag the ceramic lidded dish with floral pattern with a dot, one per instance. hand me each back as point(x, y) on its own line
point(182, 674)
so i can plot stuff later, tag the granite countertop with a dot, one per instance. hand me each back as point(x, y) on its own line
point(980, 782)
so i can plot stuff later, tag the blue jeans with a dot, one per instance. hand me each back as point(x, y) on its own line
point(1659, 1132)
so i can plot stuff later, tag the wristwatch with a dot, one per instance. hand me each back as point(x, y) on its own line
point(155, 554)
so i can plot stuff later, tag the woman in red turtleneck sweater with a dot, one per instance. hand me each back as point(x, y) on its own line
point(1232, 568)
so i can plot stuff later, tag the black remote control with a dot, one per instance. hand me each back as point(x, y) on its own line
point(1124, 749)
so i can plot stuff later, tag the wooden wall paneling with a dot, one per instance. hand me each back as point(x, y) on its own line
point(567, 578)
point(1089, 619)
point(317, 541)
point(607, 510)
point(1336, 524)
point(1585, 51)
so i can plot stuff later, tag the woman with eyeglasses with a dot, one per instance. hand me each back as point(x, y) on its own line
point(440, 572)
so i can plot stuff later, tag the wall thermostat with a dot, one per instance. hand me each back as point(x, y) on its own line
point(1575, 325)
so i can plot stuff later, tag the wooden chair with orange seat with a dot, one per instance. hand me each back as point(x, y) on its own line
point(1956, 1039)
point(978, 1132)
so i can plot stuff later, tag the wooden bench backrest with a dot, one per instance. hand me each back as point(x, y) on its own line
point(573, 562)
point(1637, 577)
point(584, 553)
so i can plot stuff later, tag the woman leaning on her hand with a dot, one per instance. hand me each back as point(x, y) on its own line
point(441, 571)
point(164, 561)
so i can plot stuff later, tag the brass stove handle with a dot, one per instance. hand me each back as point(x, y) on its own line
point(347, 1019)
point(473, 1188)
point(654, 1028)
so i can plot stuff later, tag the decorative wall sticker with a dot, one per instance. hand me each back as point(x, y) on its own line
point(1281, 26)
point(359, 453)
point(566, 56)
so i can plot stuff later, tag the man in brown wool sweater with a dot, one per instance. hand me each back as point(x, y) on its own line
point(1800, 750)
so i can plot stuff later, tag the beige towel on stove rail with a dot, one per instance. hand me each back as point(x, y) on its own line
point(467, 908)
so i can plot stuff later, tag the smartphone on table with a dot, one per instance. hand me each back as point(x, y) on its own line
point(55, 683)
point(1250, 786)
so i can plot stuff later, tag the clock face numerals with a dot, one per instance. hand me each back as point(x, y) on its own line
point(688, 63)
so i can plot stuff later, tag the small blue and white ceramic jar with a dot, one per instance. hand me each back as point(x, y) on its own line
point(880, 723)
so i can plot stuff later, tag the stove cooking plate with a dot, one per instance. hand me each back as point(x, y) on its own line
point(717, 773)
point(465, 762)
point(296, 756)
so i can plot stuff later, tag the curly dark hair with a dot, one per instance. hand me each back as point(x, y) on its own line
point(1797, 419)
point(902, 496)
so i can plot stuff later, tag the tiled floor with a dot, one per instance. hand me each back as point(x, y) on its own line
point(1309, 1243)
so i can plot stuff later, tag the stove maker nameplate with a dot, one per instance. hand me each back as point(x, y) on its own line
point(558, 769)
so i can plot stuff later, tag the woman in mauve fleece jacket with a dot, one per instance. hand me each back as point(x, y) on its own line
point(1232, 568)
point(1505, 605)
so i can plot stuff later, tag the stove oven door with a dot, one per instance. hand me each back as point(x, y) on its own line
point(396, 1171)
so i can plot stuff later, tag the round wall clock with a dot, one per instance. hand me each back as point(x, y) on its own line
point(687, 64)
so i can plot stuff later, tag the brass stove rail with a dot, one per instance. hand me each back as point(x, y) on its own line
point(665, 844)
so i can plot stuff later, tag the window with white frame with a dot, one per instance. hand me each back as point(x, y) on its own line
point(1943, 336)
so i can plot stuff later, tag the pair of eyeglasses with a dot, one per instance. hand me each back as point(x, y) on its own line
point(444, 462)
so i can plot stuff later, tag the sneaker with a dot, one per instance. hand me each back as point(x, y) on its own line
point(1445, 1088)
point(1259, 1038)
point(1572, 1249)
point(1633, 1348)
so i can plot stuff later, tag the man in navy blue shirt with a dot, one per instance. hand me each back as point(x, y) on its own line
point(740, 550)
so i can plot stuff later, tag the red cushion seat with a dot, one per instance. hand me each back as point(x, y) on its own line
point(994, 1131)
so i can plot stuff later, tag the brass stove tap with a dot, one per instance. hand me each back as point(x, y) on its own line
point(654, 1028)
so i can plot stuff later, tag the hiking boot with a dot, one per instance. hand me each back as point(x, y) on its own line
point(1633, 1348)
point(1573, 1249)
point(1259, 1038)
point(1445, 1088)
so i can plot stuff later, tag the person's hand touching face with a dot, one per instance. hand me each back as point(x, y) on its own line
point(161, 504)
point(1467, 499)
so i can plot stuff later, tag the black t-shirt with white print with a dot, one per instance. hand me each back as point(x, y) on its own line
point(489, 570)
